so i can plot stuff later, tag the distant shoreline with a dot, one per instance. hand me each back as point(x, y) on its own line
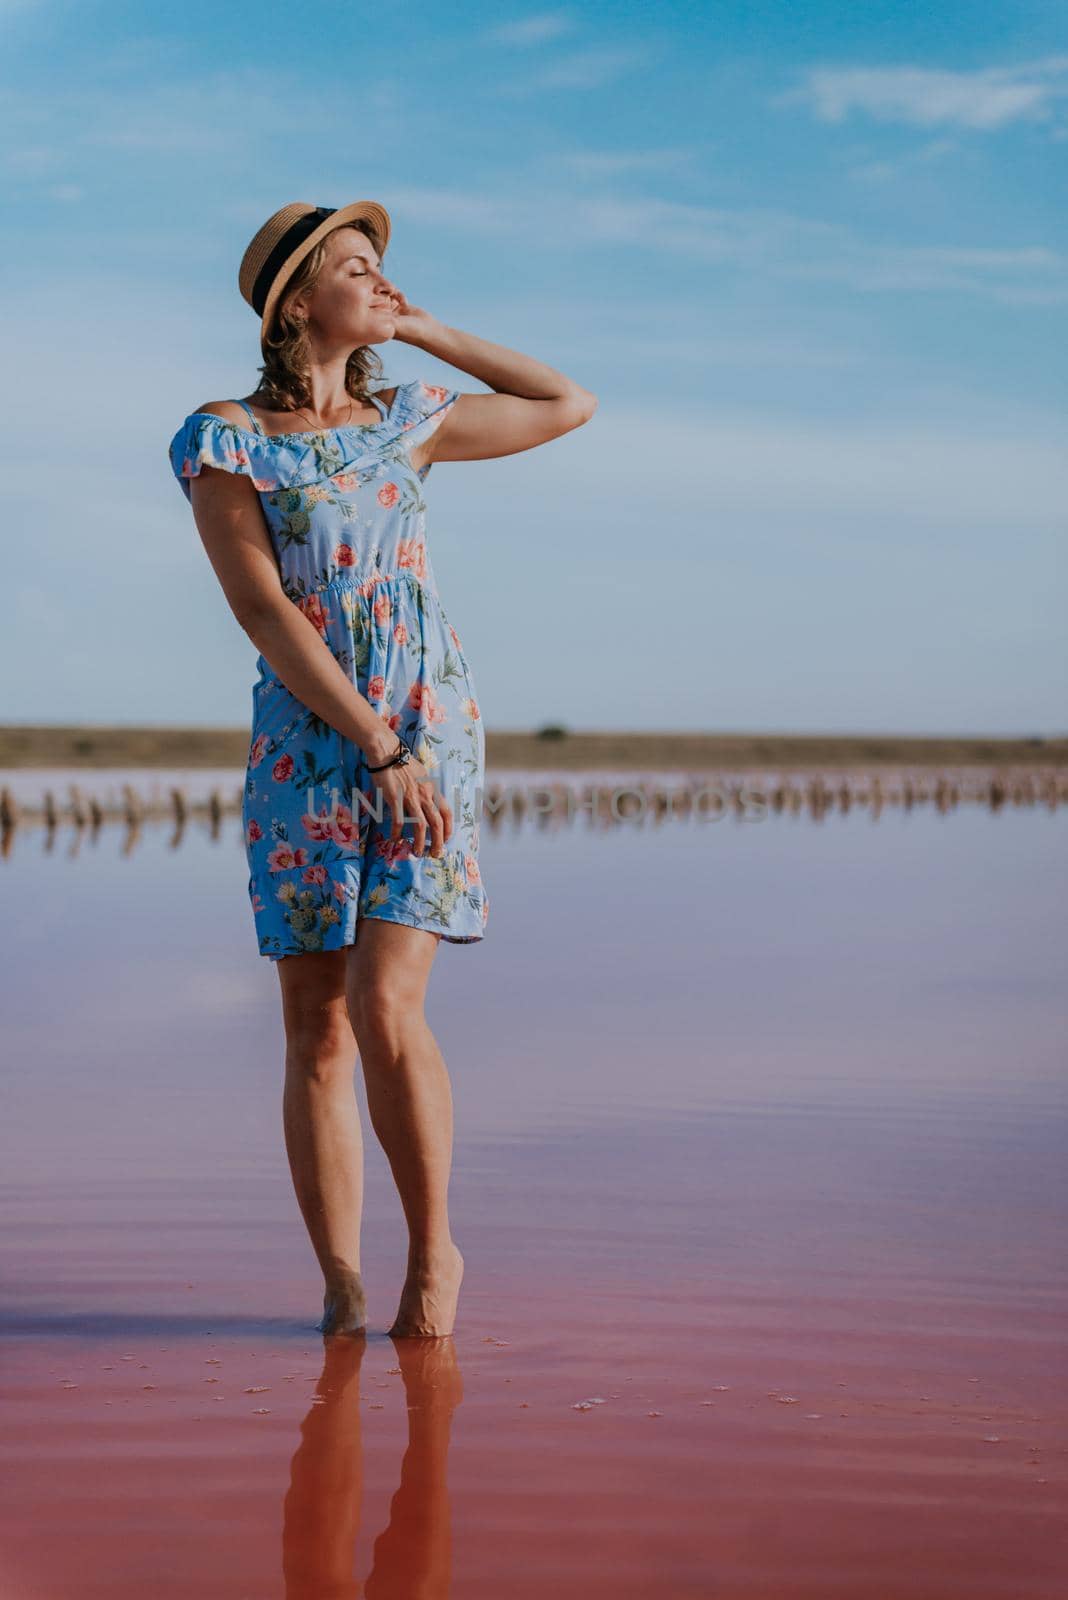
point(49, 745)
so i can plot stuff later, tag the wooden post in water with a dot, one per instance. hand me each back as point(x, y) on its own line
point(132, 811)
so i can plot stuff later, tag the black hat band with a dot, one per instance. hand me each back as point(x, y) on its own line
point(294, 235)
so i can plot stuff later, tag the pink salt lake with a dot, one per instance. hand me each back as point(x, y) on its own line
point(759, 1176)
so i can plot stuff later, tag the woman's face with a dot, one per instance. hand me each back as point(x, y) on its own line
point(351, 303)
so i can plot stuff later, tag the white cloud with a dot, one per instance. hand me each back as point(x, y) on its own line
point(1028, 275)
point(533, 30)
point(904, 163)
point(589, 69)
point(925, 97)
point(186, 119)
point(765, 241)
point(34, 160)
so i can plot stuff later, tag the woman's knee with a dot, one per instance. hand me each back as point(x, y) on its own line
point(385, 1007)
point(315, 1011)
point(317, 1038)
point(387, 978)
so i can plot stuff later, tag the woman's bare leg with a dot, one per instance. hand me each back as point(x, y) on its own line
point(409, 1099)
point(321, 1118)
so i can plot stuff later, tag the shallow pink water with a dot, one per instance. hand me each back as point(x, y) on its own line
point(759, 1146)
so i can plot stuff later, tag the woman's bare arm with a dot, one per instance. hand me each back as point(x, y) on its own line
point(536, 403)
point(231, 525)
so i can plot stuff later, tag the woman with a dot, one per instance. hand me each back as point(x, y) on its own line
point(364, 783)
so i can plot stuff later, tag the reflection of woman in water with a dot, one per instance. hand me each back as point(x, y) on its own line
point(324, 1502)
point(308, 496)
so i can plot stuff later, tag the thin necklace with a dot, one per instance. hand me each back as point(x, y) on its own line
point(309, 419)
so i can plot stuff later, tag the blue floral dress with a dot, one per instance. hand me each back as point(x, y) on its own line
point(347, 520)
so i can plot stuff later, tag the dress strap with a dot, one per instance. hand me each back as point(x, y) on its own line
point(252, 416)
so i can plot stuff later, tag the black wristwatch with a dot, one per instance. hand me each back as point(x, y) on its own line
point(401, 759)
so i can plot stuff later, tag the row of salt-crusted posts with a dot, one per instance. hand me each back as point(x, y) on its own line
point(643, 800)
point(132, 809)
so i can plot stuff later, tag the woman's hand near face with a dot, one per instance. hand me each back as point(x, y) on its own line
point(411, 323)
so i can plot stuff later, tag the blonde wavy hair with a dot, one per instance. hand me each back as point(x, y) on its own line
point(284, 384)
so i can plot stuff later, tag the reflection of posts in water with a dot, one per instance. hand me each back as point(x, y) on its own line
point(321, 1517)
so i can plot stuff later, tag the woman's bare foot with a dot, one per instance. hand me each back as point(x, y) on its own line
point(428, 1300)
point(344, 1305)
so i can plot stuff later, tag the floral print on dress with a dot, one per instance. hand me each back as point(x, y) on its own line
point(348, 525)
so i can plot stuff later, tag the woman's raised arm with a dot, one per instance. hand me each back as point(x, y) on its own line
point(534, 402)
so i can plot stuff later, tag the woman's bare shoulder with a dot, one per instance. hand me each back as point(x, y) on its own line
point(229, 410)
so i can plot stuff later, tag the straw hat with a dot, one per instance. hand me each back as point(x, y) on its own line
point(285, 239)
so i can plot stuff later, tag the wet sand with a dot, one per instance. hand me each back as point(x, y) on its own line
point(759, 1177)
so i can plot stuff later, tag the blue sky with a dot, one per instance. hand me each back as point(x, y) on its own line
point(810, 257)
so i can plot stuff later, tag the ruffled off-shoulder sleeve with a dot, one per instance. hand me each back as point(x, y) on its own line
point(204, 438)
point(426, 405)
